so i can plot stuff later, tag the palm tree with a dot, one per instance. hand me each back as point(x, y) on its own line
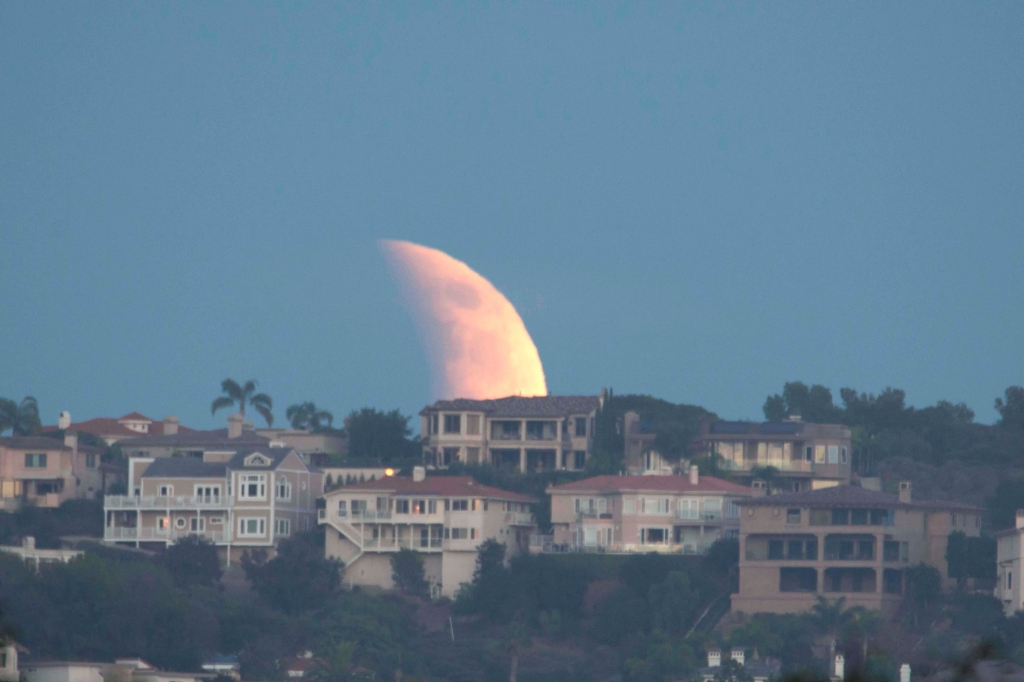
point(235, 393)
point(831, 617)
point(306, 415)
point(22, 419)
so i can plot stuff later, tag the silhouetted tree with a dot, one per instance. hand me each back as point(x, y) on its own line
point(243, 394)
point(21, 418)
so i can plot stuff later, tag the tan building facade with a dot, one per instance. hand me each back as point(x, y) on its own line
point(527, 434)
point(805, 456)
point(446, 518)
point(247, 499)
point(46, 471)
point(1009, 564)
point(675, 514)
point(843, 541)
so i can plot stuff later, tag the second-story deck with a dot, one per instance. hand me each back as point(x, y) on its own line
point(131, 502)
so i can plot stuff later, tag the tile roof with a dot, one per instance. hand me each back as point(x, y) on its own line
point(518, 406)
point(32, 443)
point(676, 484)
point(850, 496)
point(106, 426)
point(439, 486)
point(217, 438)
point(184, 467)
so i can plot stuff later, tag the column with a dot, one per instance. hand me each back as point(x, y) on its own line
point(879, 563)
point(522, 460)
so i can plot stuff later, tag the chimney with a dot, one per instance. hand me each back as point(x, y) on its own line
point(170, 426)
point(905, 672)
point(1020, 519)
point(905, 492)
point(248, 425)
point(794, 418)
point(714, 658)
point(71, 440)
point(28, 542)
point(64, 420)
point(694, 474)
point(738, 655)
point(234, 425)
point(760, 488)
point(419, 474)
point(840, 667)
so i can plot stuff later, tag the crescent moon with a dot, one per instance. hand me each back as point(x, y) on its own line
point(477, 343)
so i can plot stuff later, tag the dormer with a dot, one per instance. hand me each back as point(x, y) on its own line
point(257, 459)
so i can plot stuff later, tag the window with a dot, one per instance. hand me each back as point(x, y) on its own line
point(35, 461)
point(819, 454)
point(342, 508)
point(776, 549)
point(253, 486)
point(166, 491)
point(842, 455)
point(629, 506)
point(1009, 580)
point(820, 517)
point(197, 525)
point(433, 424)
point(811, 550)
point(216, 520)
point(460, 505)
point(431, 506)
point(795, 549)
point(163, 523)
point(90, 461)
point(473, 455)
point(732, 510)
point(449, 456)
point(419, 506)
point(208, 493)
point(458, 533)
point(579, 459)
point(255, 460)
point(284, 527)
point(858, 517)
point(808, 453)
point(401, 506)
point(798, 580)
point(179, 523)
point(833, 454)
point(840, 517)
point(453, 423)
point(472, 425)
point(581, 427)
point(793, 516)
point(252, 527)
point(284, 489)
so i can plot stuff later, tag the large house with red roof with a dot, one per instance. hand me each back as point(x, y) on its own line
point(446, 518)
point(643, 514)
point(111, 430)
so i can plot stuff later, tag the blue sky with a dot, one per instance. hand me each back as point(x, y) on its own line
point(694, 201)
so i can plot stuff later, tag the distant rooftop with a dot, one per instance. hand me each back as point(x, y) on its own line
point(520, 407)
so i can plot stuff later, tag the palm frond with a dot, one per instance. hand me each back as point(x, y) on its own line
point(265, 412)
point(325, 416)
point(231, 388)
point(8, 414)
point(249, 388)
point(220, 402)
point(261, 400)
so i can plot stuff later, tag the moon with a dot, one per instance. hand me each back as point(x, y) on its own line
point(477, 343)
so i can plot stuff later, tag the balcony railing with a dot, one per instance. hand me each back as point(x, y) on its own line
point(158, 502)
point(781, 465)
point(519, 519)
point(128, 534)
point(545, 544)
point(697, 515)
point(392, 544)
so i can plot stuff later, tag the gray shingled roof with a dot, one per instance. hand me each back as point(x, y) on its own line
point(184, 467)
point(218, 438)
point(848, 496)
point(520, 407)
point(32, 443)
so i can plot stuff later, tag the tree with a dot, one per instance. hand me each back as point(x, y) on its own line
point(674, 603)
point(242, 395)
point(924, 584)
point(517, 638)
point(299, 578)
point(407, 573)
point(382, 437)
point(768, 474)
point(307, 416)
point(1011, 410)
point(811, 404)
point(970, 557)
point(21, 418)
point(193, 561)
point(831, 617)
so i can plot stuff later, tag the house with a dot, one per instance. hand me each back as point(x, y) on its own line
point(220, 664)
point(758, 670)
point(639, 454)
point(9, 670)
point(444, 517)
point(1009, 563)
point(174, 443)
point(317, 444)
point(247, 498)
point(122, 670)
point(845, 541)
point(28, 551)
point(804, 456)
point(643, 514)
point(528, 434)
point(45, 471)
point(112, 430)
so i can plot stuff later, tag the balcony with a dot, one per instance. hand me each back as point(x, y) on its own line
point(782, 465)
point(128, 534)
point(392, 544)
point(519, 519)
point(157, 502)
point(697, 515)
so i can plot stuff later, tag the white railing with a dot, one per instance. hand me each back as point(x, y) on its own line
point(546, 544)
point(158, 502)
point(391, 544)
point(519, 519)
point(126, 534)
